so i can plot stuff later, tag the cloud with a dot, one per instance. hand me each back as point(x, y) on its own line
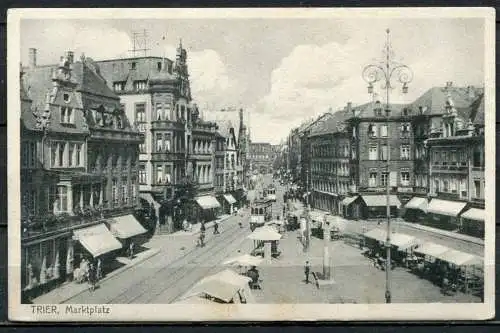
point(211, 85)
point(57, 37)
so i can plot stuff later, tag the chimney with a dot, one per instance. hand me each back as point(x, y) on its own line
point(70, 56)
point(32, 58)
point(241, 118)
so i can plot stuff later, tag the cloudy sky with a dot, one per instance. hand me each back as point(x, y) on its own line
point(282, 71)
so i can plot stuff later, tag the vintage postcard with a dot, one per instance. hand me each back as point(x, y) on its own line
point(251, 164)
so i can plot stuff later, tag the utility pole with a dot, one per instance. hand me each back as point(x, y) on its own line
point(139, 43)
point(308, 215)
point(326, 249)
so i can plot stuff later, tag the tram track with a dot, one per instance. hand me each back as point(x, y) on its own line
point(179, 269)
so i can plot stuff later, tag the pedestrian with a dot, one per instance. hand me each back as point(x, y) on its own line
point(131, 250)
point(216, 228)
point(99, 269)
point(202, 227)
point(92, 276)
point(307, 270)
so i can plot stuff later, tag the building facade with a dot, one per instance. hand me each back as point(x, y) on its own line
point(79, 159)
point(260, 157)
point(156, 93)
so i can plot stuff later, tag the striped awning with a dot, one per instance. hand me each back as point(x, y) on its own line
point(446, 207)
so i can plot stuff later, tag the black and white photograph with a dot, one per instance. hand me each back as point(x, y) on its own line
point(251, 164)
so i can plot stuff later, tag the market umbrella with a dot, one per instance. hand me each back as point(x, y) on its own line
point(243, 260)
point(265, 233)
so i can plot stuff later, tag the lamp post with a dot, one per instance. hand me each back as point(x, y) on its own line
point(385, 72)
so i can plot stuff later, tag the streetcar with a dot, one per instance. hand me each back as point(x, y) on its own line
point(260, 213)
point(271, 193)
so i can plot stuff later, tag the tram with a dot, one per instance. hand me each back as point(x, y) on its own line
point(260, 213)
point(271, 193)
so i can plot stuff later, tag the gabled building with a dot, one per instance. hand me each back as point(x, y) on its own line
point(78, 170)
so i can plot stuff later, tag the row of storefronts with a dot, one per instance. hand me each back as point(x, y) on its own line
point(48, 260)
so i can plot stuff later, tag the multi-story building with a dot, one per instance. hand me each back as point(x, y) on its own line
point(156, 93)
point(79, 174)
point(231, 171)
point(330, 163)
point(456, 168)
point(260, 157)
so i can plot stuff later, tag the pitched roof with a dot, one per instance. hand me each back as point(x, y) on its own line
point(225, 127)
point(332, 123)
point(90, 80)
point(434, 100)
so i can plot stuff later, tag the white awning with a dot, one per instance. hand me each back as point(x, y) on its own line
point(229, 198)
point(125, 227)
point(380, 200)
point(207, 202)
point(417, 203)
point(445, 207)
point(377, 234)
point(460, 258)
point(431, 249)
point(349, 200)
point(97, 240)
point(402, 241)
point(474, 214)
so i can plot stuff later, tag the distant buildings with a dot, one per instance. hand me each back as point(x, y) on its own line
point(261, 157)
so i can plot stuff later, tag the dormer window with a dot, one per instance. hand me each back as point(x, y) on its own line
point(66, 98)
point(119, 86)
point(67, 115)
point(140, 85)
point(133, 65)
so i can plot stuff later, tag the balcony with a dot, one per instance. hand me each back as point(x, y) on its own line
point(200, 156)
point(167, 124)
point(420, 189)
point(450, 168)
point(50, 224)
point(167, 156)
point(478, 168)
point(205, 186)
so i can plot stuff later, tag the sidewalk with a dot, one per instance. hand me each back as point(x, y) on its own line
point(196, 227)
point(71, 289)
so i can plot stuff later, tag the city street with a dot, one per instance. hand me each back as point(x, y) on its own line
point(180, 264)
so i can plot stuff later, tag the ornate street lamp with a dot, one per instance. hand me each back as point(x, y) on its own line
point(386, 72)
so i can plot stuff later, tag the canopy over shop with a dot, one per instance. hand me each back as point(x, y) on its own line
point(415, 209)
point(376, 205)
point(445, 212)
point(209, 207)
point(97, 240)
point(473, 222)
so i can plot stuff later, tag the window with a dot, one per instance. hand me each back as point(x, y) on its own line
point(477, 157)
point(71, 154)
point(159, 174)
point(446, 186)
point(119, 86)
point(29, 154)
point(159, 111)
point(166, 111)
point(405, 130)
point(372, 131)
point(372, 182)
point(61, 200)
point(168, 172)
point(78, 152)
point(133, 187)
point(159, 142)
point(383, 131)
point(405, 152)
point(142, 174)
point(158, 65)
point(140, 85)
point(66, 98)
point(436, 185)
point(57, 153)
point(477, 189)
point(384, 153)
point(124, 192)
point(405, 178)
point(67, 115)
point(384, 178)
point(453, 157)
point(140, 112)
point(133, 65)
point(463, 187)
point(114, 192)
point(372, 153)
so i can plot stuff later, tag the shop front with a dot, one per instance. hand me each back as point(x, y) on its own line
point(208, 208)
point(473, 222)
point(228, 204)
point(375, 206)
point(351, 208)
point(128, 231)
point(444, 213)
point(415, 209)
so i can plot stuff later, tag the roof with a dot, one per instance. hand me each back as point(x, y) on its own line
point(332, 123)
point(434, 100)
point(478, 111)
point(225, 127)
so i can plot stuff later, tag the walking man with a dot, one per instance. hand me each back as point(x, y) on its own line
point(216, 228)
point(307, 270)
